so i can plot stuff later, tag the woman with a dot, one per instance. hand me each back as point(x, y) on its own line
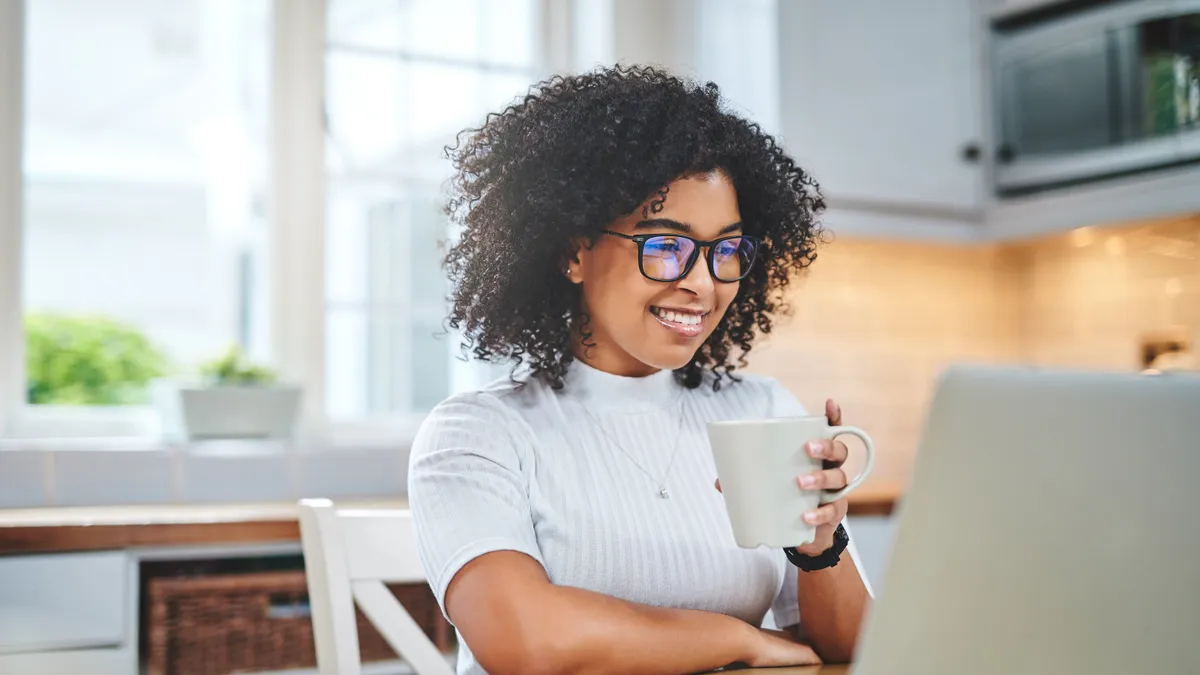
point(625, 240)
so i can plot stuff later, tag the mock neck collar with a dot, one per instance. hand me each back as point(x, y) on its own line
point(599, 390)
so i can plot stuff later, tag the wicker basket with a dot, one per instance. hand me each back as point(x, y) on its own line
point(240, 623)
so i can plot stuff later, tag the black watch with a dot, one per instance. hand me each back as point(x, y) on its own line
point(824, 560)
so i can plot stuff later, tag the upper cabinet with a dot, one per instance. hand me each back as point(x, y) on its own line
point(882, 102)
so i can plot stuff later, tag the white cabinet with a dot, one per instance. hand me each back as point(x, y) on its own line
point(67, 613)
point(63, 601)
point(872, 537)
point(880, 98)
point(108, 661)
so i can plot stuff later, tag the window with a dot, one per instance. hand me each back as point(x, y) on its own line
point(159, 138)
point(740, 53)
point(397, 92)
point(144, 173)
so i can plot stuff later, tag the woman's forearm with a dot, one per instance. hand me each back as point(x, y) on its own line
point(516, 622)
point(833, 603)
point(606, 635)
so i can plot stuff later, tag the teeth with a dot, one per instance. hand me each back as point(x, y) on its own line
point(679, 317)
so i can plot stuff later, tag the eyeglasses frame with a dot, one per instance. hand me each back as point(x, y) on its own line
point(641, 239)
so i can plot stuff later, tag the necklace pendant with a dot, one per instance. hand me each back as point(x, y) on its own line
point(662, 491)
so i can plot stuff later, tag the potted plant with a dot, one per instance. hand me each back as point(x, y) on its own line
point(88, 361)
point(234, 399)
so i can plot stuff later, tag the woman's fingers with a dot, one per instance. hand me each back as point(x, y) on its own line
point(828, 514)
point(828, 450)
point(833, 412)
point(827, 479)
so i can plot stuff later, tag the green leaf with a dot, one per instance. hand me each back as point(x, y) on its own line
point(231, 368)
point(88, 360)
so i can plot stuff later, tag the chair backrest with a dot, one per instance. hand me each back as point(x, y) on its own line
point(349, 554)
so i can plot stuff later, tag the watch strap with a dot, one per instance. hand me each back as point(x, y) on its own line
point(824, 560)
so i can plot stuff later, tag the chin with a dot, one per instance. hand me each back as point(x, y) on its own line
point(672, 357)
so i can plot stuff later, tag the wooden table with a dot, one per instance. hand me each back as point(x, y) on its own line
point(48, 530)
point(802, 670)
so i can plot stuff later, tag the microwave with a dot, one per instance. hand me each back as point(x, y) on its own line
point(1108, 90)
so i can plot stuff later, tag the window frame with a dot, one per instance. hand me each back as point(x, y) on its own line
point(297, 178)
point(12, 103)
point(551, 53)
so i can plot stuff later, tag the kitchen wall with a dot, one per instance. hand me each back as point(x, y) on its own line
point(1089, 298)
point(874, 322)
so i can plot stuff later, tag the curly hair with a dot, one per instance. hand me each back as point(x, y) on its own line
point(578, 152)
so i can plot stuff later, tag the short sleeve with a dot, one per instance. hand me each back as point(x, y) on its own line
point(786, 607)
point(782, 402)
point(466, 489)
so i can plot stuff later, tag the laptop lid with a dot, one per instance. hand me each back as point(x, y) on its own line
point(1052, 525)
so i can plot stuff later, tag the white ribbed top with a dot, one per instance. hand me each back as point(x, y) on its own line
point(556, 475)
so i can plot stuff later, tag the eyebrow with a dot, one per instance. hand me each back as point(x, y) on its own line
point(676, 226)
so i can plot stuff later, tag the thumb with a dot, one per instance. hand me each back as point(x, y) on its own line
point(833, 412)
point(717, 484)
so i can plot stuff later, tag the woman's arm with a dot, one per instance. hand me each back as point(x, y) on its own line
point(833, 602)
point(515, 621)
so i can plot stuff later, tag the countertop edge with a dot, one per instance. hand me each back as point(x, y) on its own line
point(64, 529)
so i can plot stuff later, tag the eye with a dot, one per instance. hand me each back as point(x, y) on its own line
point(736, 247)
point(664, 245)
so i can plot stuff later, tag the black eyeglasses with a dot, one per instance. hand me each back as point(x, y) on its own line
point(670, 257)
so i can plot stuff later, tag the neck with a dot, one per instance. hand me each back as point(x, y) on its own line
point(601, 353)
point(612, 393)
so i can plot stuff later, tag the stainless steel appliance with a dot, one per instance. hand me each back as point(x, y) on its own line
point(1084, 94)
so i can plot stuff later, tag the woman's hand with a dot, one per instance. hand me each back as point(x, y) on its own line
point(826, 516)
point(776, 648)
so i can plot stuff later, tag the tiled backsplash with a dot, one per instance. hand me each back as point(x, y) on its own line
point(1089, 298)
point(875, 322)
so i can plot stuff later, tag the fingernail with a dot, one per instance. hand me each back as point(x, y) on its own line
point(816, 449)
point(808, 481)
point(810, 517)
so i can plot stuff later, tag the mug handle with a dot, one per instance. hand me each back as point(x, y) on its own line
point(866, 470)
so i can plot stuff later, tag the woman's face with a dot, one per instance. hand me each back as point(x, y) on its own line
point(638, 325)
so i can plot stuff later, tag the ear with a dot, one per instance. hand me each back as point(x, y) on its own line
point(573, 265)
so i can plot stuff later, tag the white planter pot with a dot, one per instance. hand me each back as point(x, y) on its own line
point(193, 413)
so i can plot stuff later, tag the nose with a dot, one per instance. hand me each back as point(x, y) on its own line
point(699, 279)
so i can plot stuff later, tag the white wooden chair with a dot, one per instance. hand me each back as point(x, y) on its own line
point(349, 555)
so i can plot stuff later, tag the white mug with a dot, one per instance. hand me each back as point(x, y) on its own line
point(758, 463)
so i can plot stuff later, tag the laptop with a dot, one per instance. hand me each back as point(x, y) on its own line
point(1051, 526)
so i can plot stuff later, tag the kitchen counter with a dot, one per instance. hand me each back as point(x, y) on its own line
point(58, 529)
point(45, 530)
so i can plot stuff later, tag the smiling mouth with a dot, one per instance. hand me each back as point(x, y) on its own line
point(682, 322)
